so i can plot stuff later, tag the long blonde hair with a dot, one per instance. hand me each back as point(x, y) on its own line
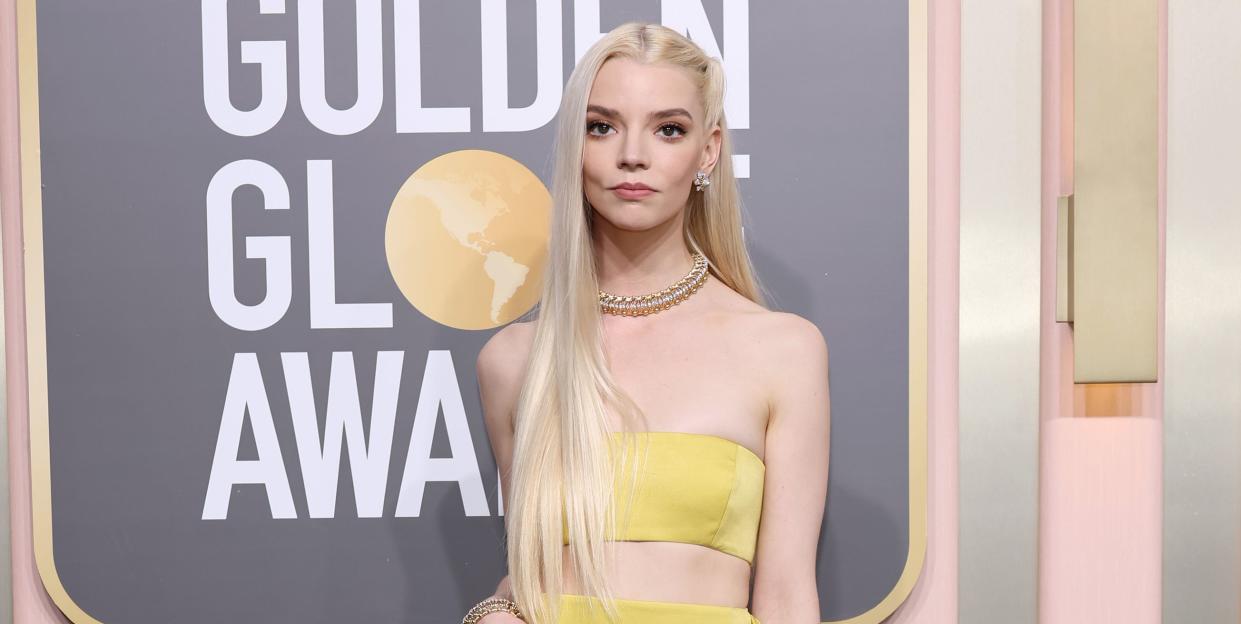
point(563, 470)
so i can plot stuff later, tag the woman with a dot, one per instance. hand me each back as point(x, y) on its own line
point(654, 451)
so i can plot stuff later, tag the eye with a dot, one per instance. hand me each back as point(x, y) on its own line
point(671, 127)
point(593, 125)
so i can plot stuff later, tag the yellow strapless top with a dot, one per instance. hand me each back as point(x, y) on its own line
point(696, 488)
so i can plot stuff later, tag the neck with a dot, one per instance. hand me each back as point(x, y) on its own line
point(640, 262)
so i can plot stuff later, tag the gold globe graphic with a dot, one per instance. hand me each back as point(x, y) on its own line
point(466, 239)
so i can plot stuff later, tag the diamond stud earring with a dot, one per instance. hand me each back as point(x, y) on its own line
point(701, 181)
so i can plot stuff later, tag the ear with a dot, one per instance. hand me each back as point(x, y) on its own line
point(711, 150)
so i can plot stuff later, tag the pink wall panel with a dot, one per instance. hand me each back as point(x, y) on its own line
point(1101, 446)
point(1100, 525)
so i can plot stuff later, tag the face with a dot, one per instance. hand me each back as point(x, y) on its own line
point(645, 140)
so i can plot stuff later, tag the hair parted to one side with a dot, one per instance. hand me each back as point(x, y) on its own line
point(564, 468)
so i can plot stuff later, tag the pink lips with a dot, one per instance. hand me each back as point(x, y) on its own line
point(632, 190)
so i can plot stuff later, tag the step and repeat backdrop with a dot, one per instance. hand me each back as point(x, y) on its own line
point(265, 240)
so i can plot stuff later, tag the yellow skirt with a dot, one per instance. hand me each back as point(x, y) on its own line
point(575, 609)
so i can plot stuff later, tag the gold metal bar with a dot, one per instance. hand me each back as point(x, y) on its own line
point(1115, 165)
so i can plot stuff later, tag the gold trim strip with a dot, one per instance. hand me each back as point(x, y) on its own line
point(919, 260)
point(36, 326)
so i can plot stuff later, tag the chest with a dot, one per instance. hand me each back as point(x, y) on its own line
point(691, 376)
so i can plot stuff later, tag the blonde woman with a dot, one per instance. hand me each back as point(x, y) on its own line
point(662, 436)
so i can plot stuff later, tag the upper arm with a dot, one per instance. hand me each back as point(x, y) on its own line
point(501, 370)
point(795, 487)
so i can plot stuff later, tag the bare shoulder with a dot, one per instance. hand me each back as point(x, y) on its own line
point(790, 335)
point(771, 338)
point(501, 370)
point(790, 353)
point(508, 345)
point(774, 336)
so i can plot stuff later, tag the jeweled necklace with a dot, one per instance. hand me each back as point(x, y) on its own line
point(641, 305)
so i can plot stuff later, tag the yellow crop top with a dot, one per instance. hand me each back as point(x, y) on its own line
point(696, 488)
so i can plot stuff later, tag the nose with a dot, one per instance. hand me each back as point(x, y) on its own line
point(633, 152)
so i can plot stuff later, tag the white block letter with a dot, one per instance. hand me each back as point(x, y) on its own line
point(411, 116)
point(497, 116)
point(273, 73)
point(439, 388)
point(324, 311)
point(246, 393)
point(585, 27)
point(313, 74)
point(273, 250)
point(320, 457)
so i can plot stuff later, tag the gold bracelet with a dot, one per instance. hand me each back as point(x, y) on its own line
point(491, 605)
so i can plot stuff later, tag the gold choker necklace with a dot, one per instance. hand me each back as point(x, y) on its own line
point(641, 305)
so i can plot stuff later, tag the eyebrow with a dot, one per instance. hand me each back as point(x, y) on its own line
point(663, 114)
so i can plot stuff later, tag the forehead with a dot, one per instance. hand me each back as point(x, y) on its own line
point(633, 88)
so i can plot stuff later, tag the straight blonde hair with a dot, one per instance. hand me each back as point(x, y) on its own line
point(564, 467)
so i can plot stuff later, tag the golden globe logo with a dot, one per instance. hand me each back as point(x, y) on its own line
point(466, 239)
point(465, 236)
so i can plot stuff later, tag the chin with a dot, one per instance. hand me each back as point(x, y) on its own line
point(630, 216)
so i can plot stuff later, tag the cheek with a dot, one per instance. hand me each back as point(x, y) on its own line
point(686, 154)
point(593, 160)
point(594, 175)
point(680, 165)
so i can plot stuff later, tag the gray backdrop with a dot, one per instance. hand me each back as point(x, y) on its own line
point(139, 364)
